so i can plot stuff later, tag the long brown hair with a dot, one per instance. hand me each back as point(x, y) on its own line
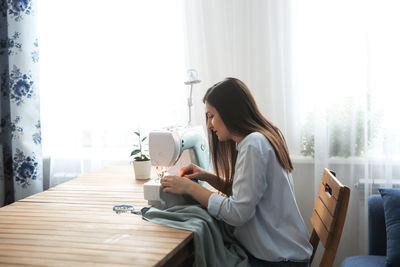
point(241, 116)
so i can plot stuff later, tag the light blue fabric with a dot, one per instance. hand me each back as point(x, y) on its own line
point(391, 207)
point(21, 151)
point(214, 244)
point(262, 205)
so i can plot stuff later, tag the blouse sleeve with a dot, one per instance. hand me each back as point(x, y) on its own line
point(249, 185)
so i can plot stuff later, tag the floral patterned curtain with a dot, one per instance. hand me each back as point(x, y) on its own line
point(20, 133)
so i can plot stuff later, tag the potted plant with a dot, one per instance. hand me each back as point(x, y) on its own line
point(141, 160)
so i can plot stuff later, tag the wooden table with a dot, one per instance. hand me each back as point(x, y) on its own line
point(73, 224)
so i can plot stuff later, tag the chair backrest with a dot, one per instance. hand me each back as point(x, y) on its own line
point(328, 216)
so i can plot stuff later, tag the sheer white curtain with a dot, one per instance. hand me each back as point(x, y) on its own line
point(249, 40)
point(108, 68)
point(326, 72)
point(346, 64)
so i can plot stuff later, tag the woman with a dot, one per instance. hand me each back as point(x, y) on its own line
point(253, 170)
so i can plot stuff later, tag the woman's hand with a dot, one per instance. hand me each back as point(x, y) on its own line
point(181, 185)
point(177, 185)
point(192, 171)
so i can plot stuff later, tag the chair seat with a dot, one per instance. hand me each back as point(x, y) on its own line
point(364, 261)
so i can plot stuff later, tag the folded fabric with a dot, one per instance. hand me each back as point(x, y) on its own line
point(214, 244)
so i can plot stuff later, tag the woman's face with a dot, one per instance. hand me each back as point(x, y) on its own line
point(215, 124)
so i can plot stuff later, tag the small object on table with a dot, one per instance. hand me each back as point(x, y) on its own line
point(122, 208)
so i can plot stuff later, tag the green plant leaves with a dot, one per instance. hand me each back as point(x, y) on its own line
point(140, 148)
point(142, 157)
point(351, 129)
point(134, 152)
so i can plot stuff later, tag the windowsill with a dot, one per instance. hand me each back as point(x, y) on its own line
point(357, 166)
point(299, 159)
point(379, 181)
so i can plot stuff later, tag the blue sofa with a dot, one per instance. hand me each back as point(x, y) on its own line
point(376, 237)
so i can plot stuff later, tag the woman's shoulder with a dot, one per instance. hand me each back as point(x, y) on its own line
point(257, 140)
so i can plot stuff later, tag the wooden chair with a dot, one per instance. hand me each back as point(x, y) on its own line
point(328, 216)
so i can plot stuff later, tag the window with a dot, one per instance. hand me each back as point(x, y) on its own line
point(347, 59)
point(107, 68)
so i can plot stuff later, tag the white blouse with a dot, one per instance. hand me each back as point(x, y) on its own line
point(262, 206)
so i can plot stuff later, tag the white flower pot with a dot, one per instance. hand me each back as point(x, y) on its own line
point(142, 169)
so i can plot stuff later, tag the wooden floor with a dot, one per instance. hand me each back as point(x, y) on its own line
point(74, 224)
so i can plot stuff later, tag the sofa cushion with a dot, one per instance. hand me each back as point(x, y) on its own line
point(391, 207)
point(364, 261)
point(376, 226)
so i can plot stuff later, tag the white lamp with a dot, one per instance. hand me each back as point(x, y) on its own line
point(191, 79)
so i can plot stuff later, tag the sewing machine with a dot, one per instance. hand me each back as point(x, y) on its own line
point(172, 148)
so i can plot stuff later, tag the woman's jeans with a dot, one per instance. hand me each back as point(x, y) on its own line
point(254, 262)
